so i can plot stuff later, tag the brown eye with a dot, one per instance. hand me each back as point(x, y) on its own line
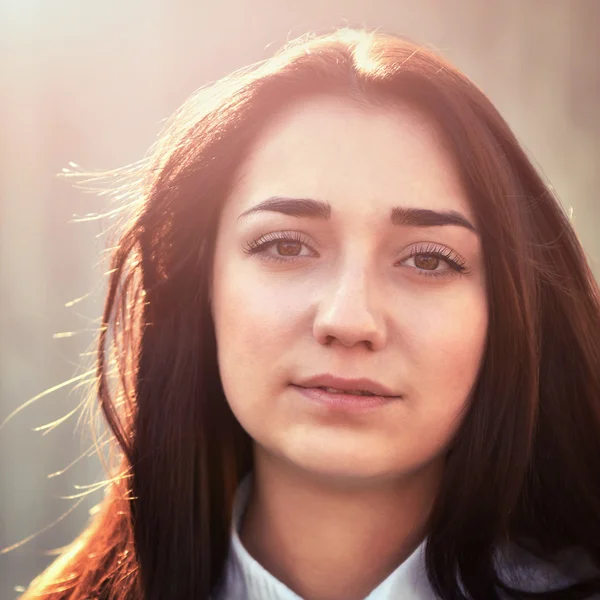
point(289, 248)
point(431, 260)
point(282, 246)
point(428, 262)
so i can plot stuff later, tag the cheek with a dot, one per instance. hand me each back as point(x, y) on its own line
point(250, 310)
point(448, 345)
point(443, 351)
point(254, 324)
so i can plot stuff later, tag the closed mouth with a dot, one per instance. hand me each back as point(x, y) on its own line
point(347, 392)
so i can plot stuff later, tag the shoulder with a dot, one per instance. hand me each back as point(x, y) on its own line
point(521, 569)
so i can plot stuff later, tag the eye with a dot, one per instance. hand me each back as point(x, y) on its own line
point(431, 260)
point(283, 246)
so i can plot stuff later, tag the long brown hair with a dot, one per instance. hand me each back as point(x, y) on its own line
point(524, 467)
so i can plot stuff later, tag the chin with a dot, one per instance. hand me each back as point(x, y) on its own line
point(335, 467)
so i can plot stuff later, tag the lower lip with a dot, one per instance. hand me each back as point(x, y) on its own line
point(348, 402)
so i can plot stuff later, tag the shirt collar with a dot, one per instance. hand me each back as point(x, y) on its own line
point(246, 578)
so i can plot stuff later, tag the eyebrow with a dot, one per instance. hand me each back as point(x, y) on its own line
point(400, 215)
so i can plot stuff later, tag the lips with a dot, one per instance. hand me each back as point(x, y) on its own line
point(344, 402)
point(352, 392)
point(362, 386)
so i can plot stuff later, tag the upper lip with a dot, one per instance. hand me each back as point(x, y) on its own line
point(339, 383)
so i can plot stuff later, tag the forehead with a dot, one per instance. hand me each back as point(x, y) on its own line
point(354, 157)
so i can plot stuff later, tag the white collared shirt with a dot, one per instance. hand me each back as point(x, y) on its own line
point(246, 579)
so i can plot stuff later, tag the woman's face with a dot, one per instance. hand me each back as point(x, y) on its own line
point(346, 291)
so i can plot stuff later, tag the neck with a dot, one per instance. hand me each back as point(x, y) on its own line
point(327, 539)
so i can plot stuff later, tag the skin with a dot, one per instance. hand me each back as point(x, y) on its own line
point(349, 301)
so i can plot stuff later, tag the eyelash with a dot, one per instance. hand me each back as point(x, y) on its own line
point(457, 265)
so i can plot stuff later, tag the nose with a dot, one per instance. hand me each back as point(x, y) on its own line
point(346, 313)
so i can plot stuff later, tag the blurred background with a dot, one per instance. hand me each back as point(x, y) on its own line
point(92, 82)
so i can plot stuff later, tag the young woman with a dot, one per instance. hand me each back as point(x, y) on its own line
point(356, 345)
